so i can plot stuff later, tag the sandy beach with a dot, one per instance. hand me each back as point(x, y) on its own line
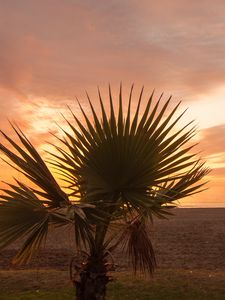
point(191, 239)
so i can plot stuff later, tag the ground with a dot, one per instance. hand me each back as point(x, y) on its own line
point(189, 246)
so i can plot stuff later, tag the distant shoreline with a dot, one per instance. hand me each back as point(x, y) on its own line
point(201, 207)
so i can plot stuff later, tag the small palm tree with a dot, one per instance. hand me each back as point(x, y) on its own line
point(120, 171)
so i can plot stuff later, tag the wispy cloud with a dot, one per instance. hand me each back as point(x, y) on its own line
point(52, 48)
point(213, 139)
point(51, 51)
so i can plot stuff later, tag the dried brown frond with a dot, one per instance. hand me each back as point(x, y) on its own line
point(137, 243)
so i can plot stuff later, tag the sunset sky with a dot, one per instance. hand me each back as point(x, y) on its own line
point(52, 51)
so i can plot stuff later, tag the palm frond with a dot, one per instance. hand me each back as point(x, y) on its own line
point(21, 214)
point(24, 215)
point(136, 242)
point(119, 156)
point(29, 163)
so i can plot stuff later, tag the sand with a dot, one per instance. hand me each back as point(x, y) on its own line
point(192, 239)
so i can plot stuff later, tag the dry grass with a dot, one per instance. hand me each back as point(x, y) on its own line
point(166, 285)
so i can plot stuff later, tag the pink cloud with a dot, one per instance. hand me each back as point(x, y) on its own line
point(212, 139)
point(55, 48)
point(51, 51)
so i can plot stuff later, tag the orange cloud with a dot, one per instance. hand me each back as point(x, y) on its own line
point(57, 48)
point(213, 139)
point(51, 51)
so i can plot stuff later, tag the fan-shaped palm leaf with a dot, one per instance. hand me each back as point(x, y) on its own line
point(121, 167)
point(129, 167)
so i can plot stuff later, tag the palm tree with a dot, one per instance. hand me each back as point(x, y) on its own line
point(120, 170)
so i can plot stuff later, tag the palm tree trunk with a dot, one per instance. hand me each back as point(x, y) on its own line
point(92, 281)
point(91, 288)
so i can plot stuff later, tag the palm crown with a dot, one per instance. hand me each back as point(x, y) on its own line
point(119, 169)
